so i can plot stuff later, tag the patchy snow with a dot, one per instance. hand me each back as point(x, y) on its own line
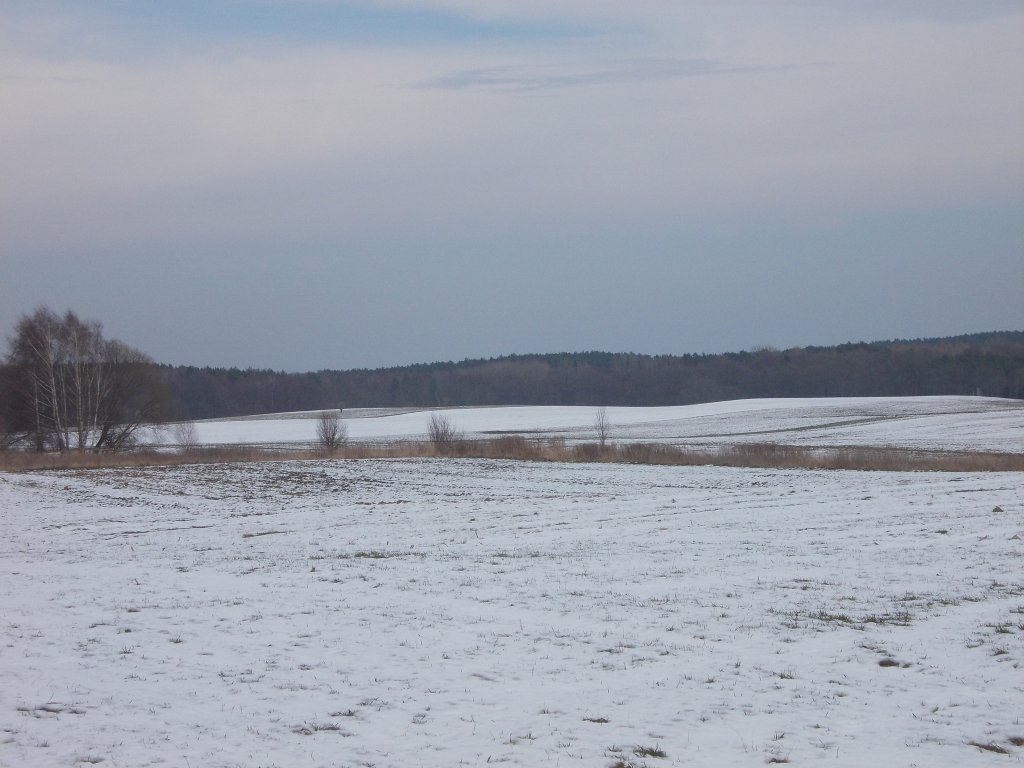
point(464, 612)
point(942, 423)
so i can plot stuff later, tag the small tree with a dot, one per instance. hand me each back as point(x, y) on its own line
point(442, 432)
point(602, 426)
point(330, 432)
point(185, 436)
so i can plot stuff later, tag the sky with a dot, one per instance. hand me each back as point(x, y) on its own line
point(308, 184)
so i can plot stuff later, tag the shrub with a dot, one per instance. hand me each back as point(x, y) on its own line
point(331, 434)
point(442, 433)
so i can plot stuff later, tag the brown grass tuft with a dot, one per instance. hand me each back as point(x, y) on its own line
point(990, 747)
point(642, 751)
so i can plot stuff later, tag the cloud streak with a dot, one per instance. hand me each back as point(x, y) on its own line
point(539, 77)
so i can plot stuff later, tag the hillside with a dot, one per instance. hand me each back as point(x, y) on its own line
point(990, 364)
point(915, 423)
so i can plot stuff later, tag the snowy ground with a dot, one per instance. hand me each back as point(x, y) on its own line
point(463, 612)
point(931, 423)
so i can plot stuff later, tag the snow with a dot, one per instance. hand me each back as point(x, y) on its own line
point(932, 423)
point(432, 612)
point(463, 612)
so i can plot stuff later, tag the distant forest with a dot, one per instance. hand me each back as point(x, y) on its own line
point(978, 364)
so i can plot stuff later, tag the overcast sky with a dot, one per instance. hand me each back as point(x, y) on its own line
point(304, 184)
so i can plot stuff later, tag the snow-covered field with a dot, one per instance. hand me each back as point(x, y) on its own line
point(929, 423)
point(423, 612)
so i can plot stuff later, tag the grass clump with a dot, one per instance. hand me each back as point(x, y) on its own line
point(378, 554)
point(989, 747)
point(655, 751)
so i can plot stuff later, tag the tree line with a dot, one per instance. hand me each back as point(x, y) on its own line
point(981, 364)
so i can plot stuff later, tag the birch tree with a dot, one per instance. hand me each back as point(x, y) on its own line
point(72, 389)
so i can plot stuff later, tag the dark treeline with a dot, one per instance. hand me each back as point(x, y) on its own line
point(988, 364)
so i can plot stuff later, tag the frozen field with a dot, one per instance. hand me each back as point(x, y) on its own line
point(443, 613)
point(929, 423)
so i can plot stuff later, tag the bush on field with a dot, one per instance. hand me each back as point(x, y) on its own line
point(442, 434)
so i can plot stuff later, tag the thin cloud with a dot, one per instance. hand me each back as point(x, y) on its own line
point(537, 78)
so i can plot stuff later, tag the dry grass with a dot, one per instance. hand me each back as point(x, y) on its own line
point(26, 461)
point(642, 751)
point(518, 447)
point(774, 456)
point(989, 747)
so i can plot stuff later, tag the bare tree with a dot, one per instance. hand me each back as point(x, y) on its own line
point(34, 387)
point(8, 436)
point(134, 394)
point(185, 436)
point(442, 432)
point(72, 389)
point(331, 434)
point(602, 426)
